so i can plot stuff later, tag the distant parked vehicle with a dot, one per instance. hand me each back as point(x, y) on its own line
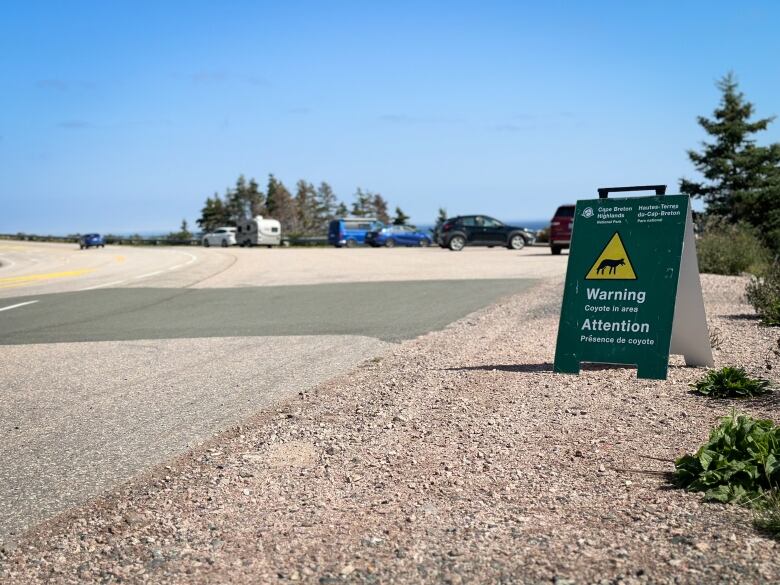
point(351, 231)
point(223, 236)
point(259, 231)
point(480, 230)
point(560, 228)
point(398, 235)
point(91, 241)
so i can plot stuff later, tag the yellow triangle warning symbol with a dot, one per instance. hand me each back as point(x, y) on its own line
point(613, 262)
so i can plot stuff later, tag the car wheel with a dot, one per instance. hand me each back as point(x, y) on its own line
point(555, 250)
point(224, 244)
point(425, 242)
point(206, 243)
point(457, 243)
point(351, 243)
point(389, 243)
point(81, 247)
point(516, 242)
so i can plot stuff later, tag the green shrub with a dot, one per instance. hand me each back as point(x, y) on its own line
point(725, 248)
point(729, 382)
point(767, 515)
point(763, 292)
point(739, 462)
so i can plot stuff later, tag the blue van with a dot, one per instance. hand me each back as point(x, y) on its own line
point(351, 231)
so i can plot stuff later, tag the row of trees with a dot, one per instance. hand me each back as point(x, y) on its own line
point(306, 213)
point(742, 179)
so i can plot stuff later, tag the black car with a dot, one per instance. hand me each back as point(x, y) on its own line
point(481, 230)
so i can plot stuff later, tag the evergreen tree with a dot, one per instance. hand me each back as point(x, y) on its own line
point(342, 210)
point(255, 199)
point(184, 230)
point(363, 205)
point(214, 214)
point(306, 217)
point(400, 217)
point(327, 205)
point(380, 208)
point(270, 194)
point(442, 217)
point(280, 204)
point(742, 178)
point(183, 235)
point(245, 201)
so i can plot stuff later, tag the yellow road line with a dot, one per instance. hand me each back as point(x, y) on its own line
point(12, 281)
point(120, 259)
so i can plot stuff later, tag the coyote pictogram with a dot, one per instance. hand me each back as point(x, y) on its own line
point(611, 264)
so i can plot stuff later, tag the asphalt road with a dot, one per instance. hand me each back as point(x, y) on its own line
point(386, 311)
point(114, 360)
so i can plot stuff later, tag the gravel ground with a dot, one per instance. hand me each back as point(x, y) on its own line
point(458, 457)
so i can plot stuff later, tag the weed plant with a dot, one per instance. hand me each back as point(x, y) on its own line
point(729, 382)
point(725, 248)
point(767, 515)
point(763, 292)
point(739, 463)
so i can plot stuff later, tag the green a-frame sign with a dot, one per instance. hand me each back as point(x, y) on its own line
point(632, 294)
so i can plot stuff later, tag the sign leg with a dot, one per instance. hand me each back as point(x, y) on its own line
point(566, 365)
point(653, 371)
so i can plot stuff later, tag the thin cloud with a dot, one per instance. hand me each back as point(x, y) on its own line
point(54, 84)
point(509, 127)
point(217, 76)
point(208, 77)
point(74, 124)
point(403, 119)
point(256, 80)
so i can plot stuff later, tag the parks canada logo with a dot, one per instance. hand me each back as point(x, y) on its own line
point(587, 212)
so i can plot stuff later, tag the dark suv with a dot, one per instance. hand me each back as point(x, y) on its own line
point(560, 228)
point(481, 230)
point(91, 241)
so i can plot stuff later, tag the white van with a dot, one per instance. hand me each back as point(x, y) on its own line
point(258, 231)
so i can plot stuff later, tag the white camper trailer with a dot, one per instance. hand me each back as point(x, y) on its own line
point(259, 231)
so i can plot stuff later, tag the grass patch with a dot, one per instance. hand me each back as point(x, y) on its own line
point(740, 462)
point(729, 382)
point(725, 248)
point(767, 514)
point(763, 292)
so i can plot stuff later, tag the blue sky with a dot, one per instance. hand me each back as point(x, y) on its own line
point(125, 116)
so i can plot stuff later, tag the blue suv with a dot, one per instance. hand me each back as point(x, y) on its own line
point(398, 235)
point(92, 241)
point(351, 231)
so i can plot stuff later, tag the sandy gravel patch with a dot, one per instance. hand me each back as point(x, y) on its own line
point(458, 457)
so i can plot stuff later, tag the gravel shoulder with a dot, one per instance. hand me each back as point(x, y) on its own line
point(458, 457)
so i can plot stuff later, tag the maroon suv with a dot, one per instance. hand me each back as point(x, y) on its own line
point(560, 228)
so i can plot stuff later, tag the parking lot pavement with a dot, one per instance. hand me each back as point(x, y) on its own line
point(118, 358)
point(100, 384)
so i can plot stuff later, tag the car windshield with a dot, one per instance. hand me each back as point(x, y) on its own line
point(565, 211)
